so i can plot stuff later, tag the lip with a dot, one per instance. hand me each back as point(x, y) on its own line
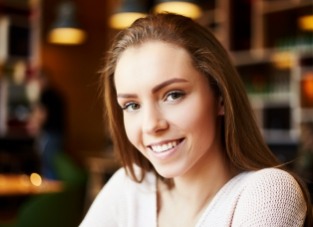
point(168, 153)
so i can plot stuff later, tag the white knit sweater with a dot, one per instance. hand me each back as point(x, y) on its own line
point(268, 197)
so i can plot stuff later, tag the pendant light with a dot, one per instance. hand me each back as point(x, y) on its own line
point(66, 30)
point(306, 22)
point(187, 8)
point(129, 11)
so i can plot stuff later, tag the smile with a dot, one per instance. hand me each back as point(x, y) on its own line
point(159, 148)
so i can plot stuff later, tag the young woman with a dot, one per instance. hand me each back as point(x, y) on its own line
point(191, 151)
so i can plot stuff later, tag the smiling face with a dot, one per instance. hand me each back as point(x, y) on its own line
point(170, 112)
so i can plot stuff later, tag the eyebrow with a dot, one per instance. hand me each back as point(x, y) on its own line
point(156, 88)
point(168, 82)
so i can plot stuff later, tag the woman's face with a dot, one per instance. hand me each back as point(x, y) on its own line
point(170, 112)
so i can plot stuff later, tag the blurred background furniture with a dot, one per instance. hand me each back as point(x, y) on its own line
point(62, 208)
point(100, 168)
point(270, 42)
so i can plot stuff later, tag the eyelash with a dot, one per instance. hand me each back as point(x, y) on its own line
point(135, 106)
point(178, 94)
point(128, 105)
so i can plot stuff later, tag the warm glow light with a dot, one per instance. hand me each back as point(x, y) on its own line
point(283, 60)
point(67, 36)
point(183, 8)
point(19, 72)
point(124, 20)
point(308, 86)
point(32, 90)
point(306, 22)
point(35, 179)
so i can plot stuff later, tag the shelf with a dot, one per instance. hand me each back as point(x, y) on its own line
point(306, 61)
point(19, 61)
point(16, 4)
point(280, 136)
point(283, 5)
point(250, 57)
point(274, 67)
point(306, 115)
point(4, 24)
point(280, 27)
point(270, 99)
point(270, 55)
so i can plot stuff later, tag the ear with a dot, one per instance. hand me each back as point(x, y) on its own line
point(221, 110)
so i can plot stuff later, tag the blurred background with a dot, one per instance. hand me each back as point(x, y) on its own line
point(55, 152)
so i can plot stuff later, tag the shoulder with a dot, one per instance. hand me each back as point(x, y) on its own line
point(119, 177)
point(117, 183)
point(273, 197)
point(108, 200)
point(274, 184)
point(273, 178)
point(118, 199)
point(121, 180)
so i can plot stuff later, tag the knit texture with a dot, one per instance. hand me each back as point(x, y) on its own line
point(268, 197)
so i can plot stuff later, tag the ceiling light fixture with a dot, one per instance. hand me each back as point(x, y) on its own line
point(306, 22)
point(129, 11)
point(66, 30)
point(188, 8)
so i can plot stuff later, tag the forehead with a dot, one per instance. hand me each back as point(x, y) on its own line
point(141, 69)
point(154, 59)
point(150, 62)
point(153, 49)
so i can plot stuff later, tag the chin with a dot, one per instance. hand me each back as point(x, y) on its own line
point(169, 172)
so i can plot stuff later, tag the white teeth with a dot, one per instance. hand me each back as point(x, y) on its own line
point(164, 147)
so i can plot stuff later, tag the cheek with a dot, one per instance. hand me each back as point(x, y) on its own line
point(200, 122)
point(131, 129)
point(196, 114)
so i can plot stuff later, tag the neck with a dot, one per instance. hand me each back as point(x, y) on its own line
point(196, 188)
point(203, 182)
point(191, 193)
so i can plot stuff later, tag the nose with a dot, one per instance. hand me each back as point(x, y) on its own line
point(153, 120)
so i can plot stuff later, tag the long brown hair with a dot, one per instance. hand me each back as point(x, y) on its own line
point(243, 142)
